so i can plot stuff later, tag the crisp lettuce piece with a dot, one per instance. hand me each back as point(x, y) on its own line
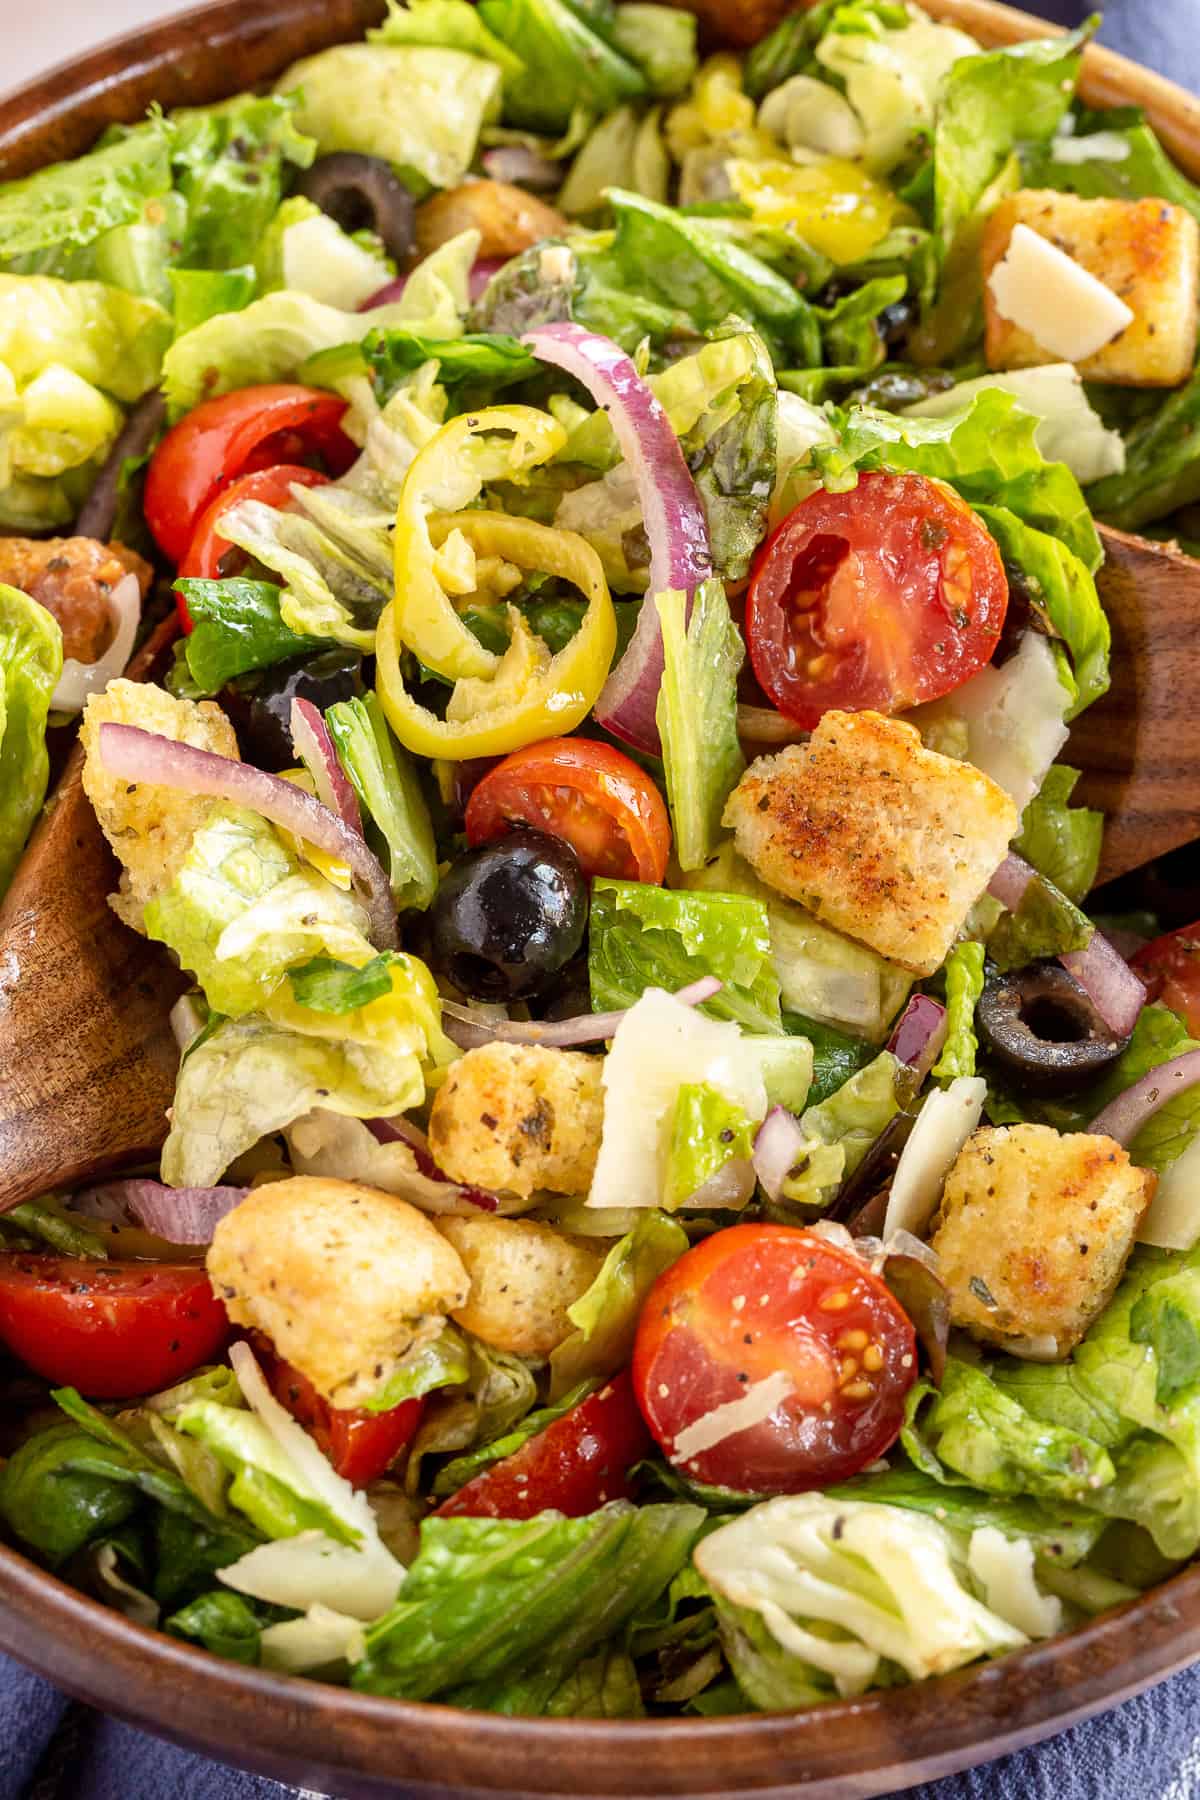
point(384, 777)
point(447, 25)
point(326, 985)
point(34, 504)
point(731, 448)
point(1060, 582)
point(419, 107)
point(1134, 165)
point(1070, 430)
point(306, 251)
point(604, 1685)
point(444, 1362)
point(697, 715)
point(964, 984)
point(970, 1426)
point(58, 423)
point(612, 155)
point(236, 627)
point(48, 217)
point(1162, 469)
point(487, 360)
point(567, 65)
point(228, 163)
point(642, 936)
point(852, 342)
point(30, 665)
point(1045, 924)
point(250, 1077)
point(708, 1130)
point(839, 1130)
point(893, 76)
point(113, 340)
point(894, 1586)
point(332, 588)
point(661, 40)
point(1060, 840)
point(836, 1055)
point(1061, 1534)
point(226, 1624)
point(266, 1486)
point(200, 294)
point(605, 1316)
point(454, 1629)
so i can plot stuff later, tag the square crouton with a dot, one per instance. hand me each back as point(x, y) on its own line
point(524, 1275)
point(1146, 251)
point(1034, 1231)
point(520, 1118)
point(879, 837)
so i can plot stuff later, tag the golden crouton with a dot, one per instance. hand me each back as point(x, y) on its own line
point(343, 1279)
point(508, 219)
point(519, 1118)
point(523, 1275)
point(879, 837)
point(1034, 1230)
point(1144, 250)
point(149, 827)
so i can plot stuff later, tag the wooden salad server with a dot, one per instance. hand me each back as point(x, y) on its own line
point(87, 1059)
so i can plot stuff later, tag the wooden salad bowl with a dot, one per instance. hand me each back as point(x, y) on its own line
point(356, 1745)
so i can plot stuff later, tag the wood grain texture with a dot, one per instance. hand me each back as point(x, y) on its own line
point(87, 1059)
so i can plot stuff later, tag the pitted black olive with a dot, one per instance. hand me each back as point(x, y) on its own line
point(261, 707)
point(509, 916)
point(361, 193)
point(1039, 1024)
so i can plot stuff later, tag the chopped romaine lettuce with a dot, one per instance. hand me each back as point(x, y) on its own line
point(1060, 582)
point(1162, 469)
point(605, 1316)
point(697, 715)
point(964, 984)
point(306, 251)
point(461, 1469)
point(445, 1362)
point(226, 1624)
point(1134, 165)
point(236, 627)
point(661, 40)
point(332, 589)
point(200, 294)
point(388, 358)
point(708, 1130)
point(447, 25)
point(30, 665)
point(228, 162)
point(49, 217)
point(1062, 1535)
point(112, 340)
point(1070, 430)
point(567, 65)
point(1044, 924)
point(385, 780)
point(1060, 840)
point(839, 1130)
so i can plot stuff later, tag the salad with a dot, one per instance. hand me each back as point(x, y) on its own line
point(675, 1198)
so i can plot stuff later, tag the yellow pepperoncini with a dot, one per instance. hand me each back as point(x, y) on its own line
point(832, 204)
point(498, 443)
point(530, 694)
point(717, 107)
point(331, 867)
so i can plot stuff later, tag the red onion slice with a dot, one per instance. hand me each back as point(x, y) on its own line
point(1124, 1117)
point(676, 526)
point(522, 167)
point(386, 295)
point(919, 1034)
point(469, 1032)
point(1105, 977)
point(180, 1215)
point(776, 1147)
point(314, 747)
point(136, 755)
point(80, 680)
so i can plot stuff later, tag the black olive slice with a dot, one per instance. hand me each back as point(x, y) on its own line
point(1041, 1026)
point(362, 193)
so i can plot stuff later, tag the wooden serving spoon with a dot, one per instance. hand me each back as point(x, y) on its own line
point(87, 1059)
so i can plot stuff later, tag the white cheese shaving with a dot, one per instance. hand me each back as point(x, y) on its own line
point(1060, 304)
point(1003, 1567)
point(944, 1124)
point(1099, 146)
point(753, 1407)
point(1173, 1221)
point(1014, 715)
point(311, 1569)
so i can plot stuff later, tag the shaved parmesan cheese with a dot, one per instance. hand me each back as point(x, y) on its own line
point(1014, 715)
point(753, 1407)
point(311, 1569)
point(1173, 1221)
point(1003, 1567)
point(322, 1637)
point(1098, 146)
point(1061, 305)
point(944, 1124)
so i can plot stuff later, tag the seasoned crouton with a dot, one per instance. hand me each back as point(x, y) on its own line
point(344, 1280)
point(149, 827)
point(880, 838)
point(1034, 1230)
point(524, 1275)
point(508, 219)
point(1146, 251)
point(516, 1117)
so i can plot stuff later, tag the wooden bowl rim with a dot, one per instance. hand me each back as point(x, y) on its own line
point(282, 1724)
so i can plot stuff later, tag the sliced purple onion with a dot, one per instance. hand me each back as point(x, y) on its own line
point(919, 1034)
point(482, 270)
point(390, 292)
point(1110, 984)
point(1124, 1117)
point(676, 526)
point(466, 1029)
point(80, 680)
point(315, 748)
point(135, 755)
point(522, 167)
point(180, 1215)
point(778, 1143)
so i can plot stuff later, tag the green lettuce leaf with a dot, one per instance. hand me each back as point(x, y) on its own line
point(1060, 840)
point(603, 1686)
point(1045, 924)
point(267, 1486)
point(643, 936)
point(54, 1498)
point(1162, 469)
point(200, 294)
point(1143, 171)
point(47, 218)
point(839, 1130)
point(384, 777)
point(113, 340)
point(236, 628)
point(30, 665)
point(661, 41)
point(1061, 1534)
point(487, 360)
point(605, 1316)
point(306, 251)
point(1070, 430)
point(852, 342)
point(707, 1132)
point(227, 1624)
point(697, 715)
point(229, 162)
point(447, 25)
point(1061, 583)
point(567, 65)
point(455, 1628)
point(333, 588)
point(964, 984)
point(445, 1362)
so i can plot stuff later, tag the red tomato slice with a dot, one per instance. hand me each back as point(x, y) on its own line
point(206, 555)
point(757, 1300)
point(361, 1445)
point(110, 1329)
point(882, 596)
point(254, 428)
point(1170, 968)
point(589, 794)
point(573, 1467)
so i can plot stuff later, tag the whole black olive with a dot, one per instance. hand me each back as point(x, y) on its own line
point(362, 193)
point(1040, 1025)
point(509, 916)
point(261, 709)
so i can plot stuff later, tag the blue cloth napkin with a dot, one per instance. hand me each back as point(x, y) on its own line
point(1149, 1748)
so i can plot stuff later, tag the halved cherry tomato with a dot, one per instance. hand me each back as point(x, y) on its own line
point(206, 555)
point(1170, 968)
point(360, 1445)
point(754, 1302)
point(110, 1329)
point(887, 594)
point(588, 793)
point(254, 428)
point(573, 1467)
